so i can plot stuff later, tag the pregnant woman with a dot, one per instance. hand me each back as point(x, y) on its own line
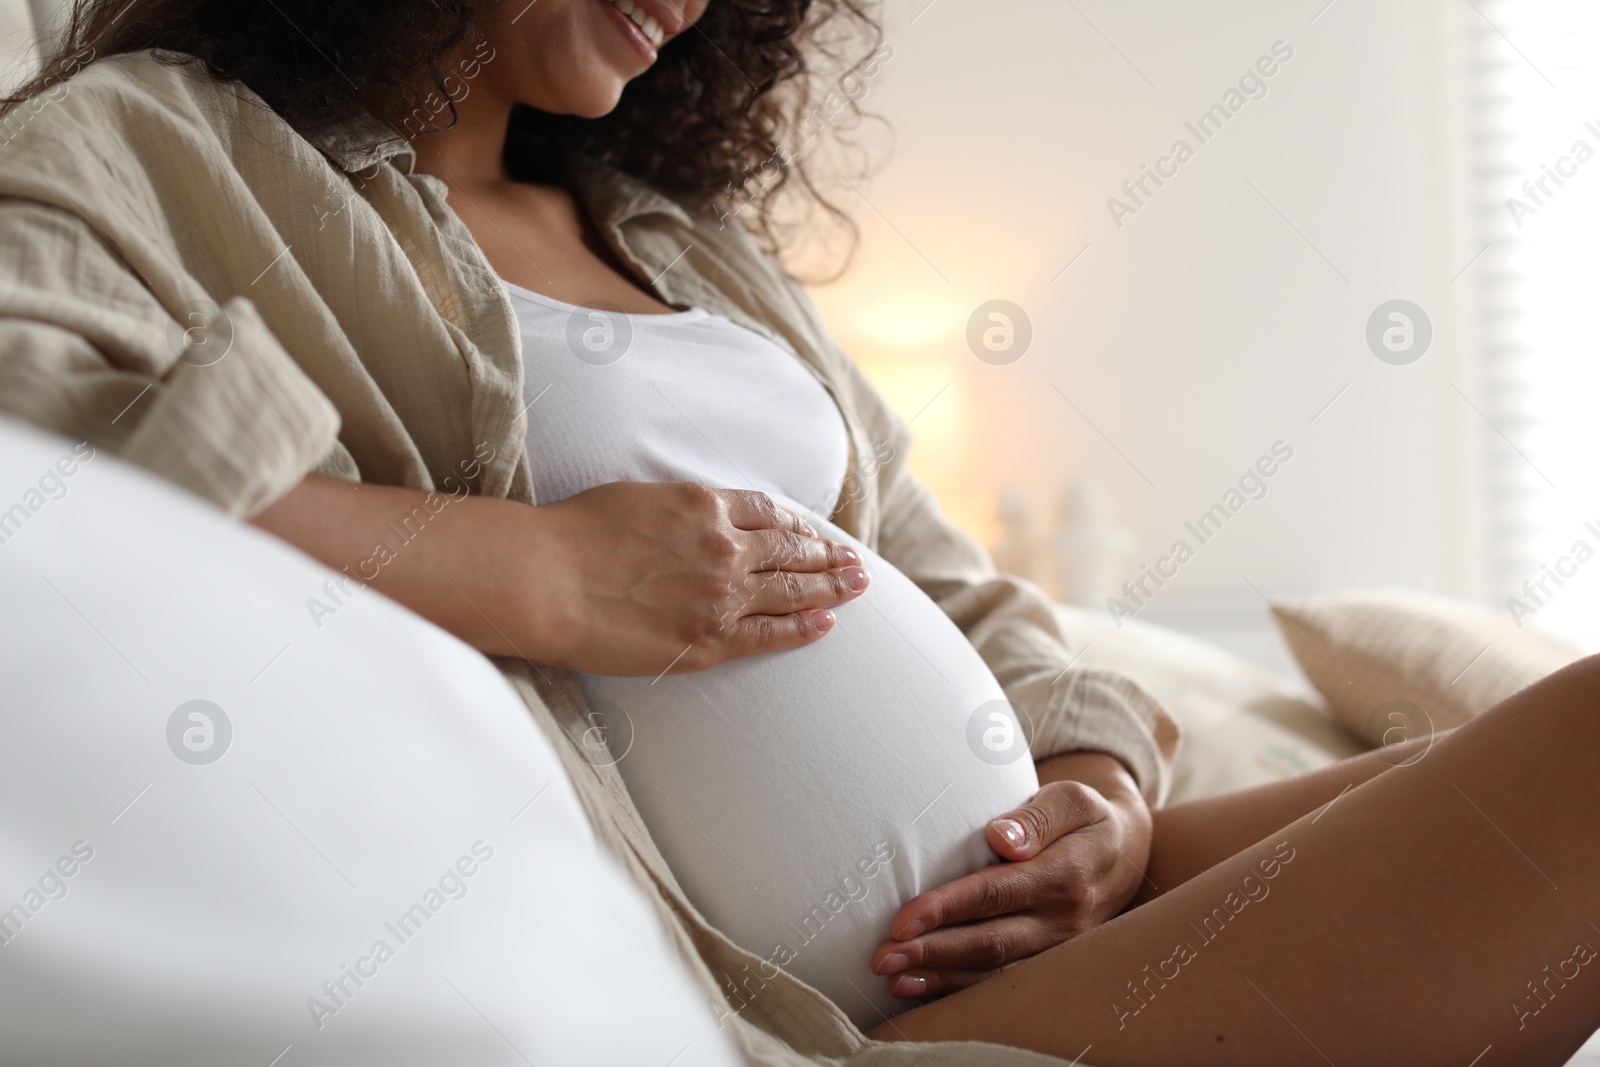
point(449, 295)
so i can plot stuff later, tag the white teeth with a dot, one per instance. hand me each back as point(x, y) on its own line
point(647, 25)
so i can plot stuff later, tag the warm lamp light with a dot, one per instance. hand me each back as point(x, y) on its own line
point(930, 392)
point(907, 332)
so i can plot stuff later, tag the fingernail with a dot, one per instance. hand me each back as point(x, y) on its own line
point(914, 928)
point(910, 985)
point(807, 529)
point(855, 577)
point(847, 555)
point(823, 621)
point(1012, 831)
point(894, 962)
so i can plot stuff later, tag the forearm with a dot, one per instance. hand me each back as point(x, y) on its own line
point(460, 562)
point(626, 578)
point(1105, 773)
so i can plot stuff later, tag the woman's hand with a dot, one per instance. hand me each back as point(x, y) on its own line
point(627, 578)
point(634, 578)
point(1074, 856)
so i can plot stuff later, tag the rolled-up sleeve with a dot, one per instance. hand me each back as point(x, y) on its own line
point(87, 350)
point(1011, 624)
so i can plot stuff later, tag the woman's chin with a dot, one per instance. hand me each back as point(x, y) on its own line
point(599, 109)
point(593, 100)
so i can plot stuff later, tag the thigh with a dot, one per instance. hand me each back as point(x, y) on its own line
point(1435, 913)
point(1195, 836)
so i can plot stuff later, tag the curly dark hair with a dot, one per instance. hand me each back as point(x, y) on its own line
point(721, 121)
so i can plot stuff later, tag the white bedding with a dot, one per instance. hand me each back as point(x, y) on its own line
point(189, 891)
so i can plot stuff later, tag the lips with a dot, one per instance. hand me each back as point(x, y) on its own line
point(643, 19)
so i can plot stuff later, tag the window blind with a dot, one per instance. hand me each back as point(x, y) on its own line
point(1536, 86)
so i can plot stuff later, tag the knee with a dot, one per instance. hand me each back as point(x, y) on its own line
point(1569, 696)
point(1582, 675)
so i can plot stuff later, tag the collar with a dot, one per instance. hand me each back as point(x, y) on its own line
point(362, 142)
point(611, 196)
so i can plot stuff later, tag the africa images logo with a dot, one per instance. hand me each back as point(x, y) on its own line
point(199, 732)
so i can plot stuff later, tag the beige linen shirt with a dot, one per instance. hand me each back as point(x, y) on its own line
point(189, 283)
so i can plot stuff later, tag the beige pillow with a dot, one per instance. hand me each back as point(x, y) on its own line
point(1451, 658)
point(1242, 725)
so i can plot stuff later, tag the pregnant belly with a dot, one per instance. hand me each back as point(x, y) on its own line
point(802, 797)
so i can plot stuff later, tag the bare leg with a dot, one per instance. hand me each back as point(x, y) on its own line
point(1190, 838)
point(1436, 913)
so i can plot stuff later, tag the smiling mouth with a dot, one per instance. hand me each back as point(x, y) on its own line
point(647, 25)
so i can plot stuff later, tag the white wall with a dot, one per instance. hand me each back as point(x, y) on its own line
point(1205, 328)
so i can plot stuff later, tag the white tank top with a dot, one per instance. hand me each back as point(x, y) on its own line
point(800, 797)
point(684, 397)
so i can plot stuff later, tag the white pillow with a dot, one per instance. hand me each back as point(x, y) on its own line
point(1380, 655)
point(164, 909)
point(1242, 725)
